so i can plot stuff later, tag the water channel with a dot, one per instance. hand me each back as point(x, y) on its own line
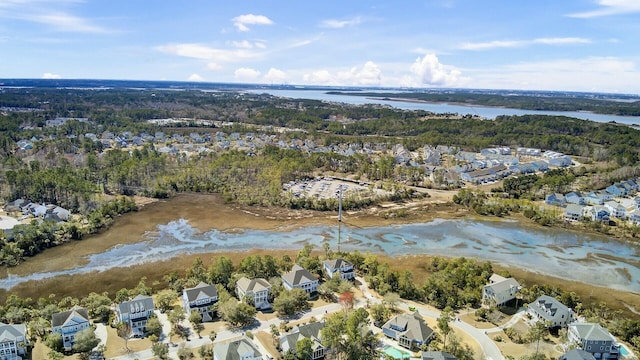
point(591, 259)
point(441, 108)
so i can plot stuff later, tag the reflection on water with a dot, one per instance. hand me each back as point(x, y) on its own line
point(591, 259)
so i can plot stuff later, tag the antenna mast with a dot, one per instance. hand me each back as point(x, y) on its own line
point(339, 214)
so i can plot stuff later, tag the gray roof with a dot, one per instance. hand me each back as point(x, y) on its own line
point(253, 285)
point(12, 332)
point(298, 275)
point(235, 349)
point(574, 209)
point(76, 313)
point(592, 332)
point(436, 355)
point(201, 289)
point(337, 263)
point(137, 304)
point(547, 307)
point(312, 331)
point(414, 325)
point(501, 284)
point(577, 354)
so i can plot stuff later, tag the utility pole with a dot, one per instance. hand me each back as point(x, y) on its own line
point(339, 214)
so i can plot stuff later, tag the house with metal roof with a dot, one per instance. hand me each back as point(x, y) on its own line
point(241, 349)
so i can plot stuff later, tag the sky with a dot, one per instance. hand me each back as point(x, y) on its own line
point(564, 45)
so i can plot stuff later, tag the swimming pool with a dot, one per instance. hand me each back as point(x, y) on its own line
point(396, 353)
point(623, 351)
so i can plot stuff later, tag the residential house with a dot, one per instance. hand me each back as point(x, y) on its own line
point(436, 355)
point(540, 165)
point(339, 267)
point(594, 339)
point(68, 323)
point(528, 151)
point(409, 330)
point(136, 312)
point(13, 341)
point(616, 190)
point(594, 198)
point(574, 198)
point(634, 217)
point(597, 213)
point(577, 354)
point(573, 212)
point(312, 331)
point(241, 349)
point(555, 199)
point(500, 290)
point(616, 210)
point(636, 202)
point(256, 289)
point(300, 278)
point(550, 310)
point(201, 299)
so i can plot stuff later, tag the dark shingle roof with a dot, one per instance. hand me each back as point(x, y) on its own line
point(60, 318)
point(194, 293)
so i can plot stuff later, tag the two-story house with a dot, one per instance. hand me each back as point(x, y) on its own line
point(135, 313)
point(409, 330)
point(548, 309)
point(577, 354)
point(555, 199)
point(300, 278)
point(68, 323)
point(312, 331)
point(200, 298)
point(339, 267)
point(13, 341)
point(616, 210)
point(594, 339)
point(573, 212)
point(256, 289)
point(241, 349)
point(500, 290)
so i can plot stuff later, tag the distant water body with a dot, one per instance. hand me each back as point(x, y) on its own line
point(591, 259)
point(440, 108)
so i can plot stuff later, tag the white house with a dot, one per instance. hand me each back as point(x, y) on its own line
point(500, 290)
point(13, 341)
point(136, 312)
point(200, 298)
point(573, 212)
point(300, 278)
point(546, 308)
point(339, 267)
point(68, 323)
point(257, 289)
point(616, 210)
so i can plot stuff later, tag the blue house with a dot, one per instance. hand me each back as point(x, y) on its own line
point(574, 198)
point(555, 199)
point(616, 190)
point(409, 330)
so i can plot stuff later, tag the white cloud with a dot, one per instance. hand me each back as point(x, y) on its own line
point(610, 7)
point(275, 76)
point(214, 66)
point(605, 74)
point(430, 71)
point(521, 43)
point(319, 77)
point(241, 22)
point(195, 77)
point(48, 75)
point(199, 51)
point(338, 24)
point(246, 74)
point(65, 22)
point(244, 44)
point(369, 75)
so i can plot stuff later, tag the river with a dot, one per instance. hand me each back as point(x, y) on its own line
point(592, 259)
point(441, 108)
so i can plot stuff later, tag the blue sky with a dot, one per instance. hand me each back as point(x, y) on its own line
point(574, 45)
